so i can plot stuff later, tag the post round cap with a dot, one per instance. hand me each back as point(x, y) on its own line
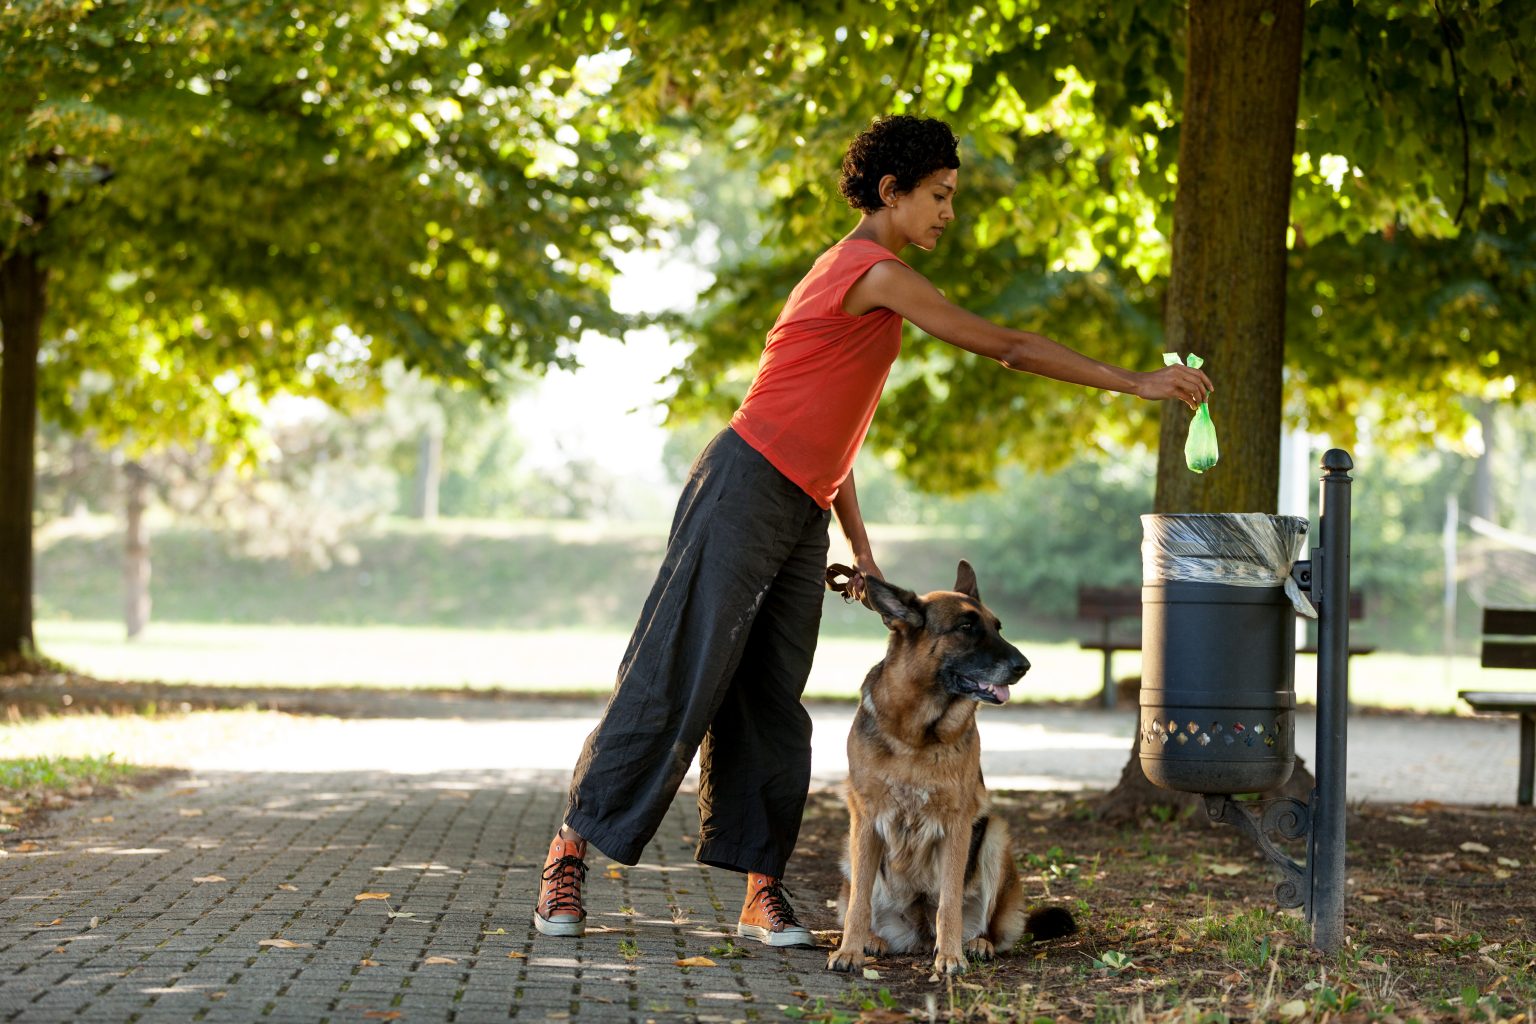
point(1337, 460)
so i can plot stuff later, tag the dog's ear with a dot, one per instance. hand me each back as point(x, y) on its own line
point(965, 581)
point(895, 605)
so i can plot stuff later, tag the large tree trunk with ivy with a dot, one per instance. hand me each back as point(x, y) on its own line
point(1226, 289)
point(22, 285)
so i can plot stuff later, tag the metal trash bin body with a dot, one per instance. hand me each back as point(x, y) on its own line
point(1218, 696)
point(1218, 687)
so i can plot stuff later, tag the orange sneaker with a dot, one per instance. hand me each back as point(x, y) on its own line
point(559, 911)
point(767, 916)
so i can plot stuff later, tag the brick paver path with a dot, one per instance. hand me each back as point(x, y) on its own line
point(165, 906)
point(157, 909)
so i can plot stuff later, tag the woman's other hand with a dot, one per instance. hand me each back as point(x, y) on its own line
point(1181, 383)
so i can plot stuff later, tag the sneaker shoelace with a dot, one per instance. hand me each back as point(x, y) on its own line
point(565, 876)
point(774, 898)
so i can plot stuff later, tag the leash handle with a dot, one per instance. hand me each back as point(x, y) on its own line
point(839, 579)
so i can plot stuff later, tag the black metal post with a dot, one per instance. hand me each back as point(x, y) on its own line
point(1330, 591)
point(1317, 885)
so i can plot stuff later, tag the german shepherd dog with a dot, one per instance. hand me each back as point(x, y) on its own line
point(927, 866)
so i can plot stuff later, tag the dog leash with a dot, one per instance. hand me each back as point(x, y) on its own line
point(839, 579)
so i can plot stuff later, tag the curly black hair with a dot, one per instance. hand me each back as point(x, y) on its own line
point(909, 147)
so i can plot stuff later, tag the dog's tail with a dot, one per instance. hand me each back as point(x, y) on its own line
point(1049, 923)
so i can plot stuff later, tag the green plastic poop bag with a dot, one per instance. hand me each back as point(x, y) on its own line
point(1200, 452)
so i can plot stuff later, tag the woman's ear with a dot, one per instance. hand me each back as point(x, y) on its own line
point(887, 190)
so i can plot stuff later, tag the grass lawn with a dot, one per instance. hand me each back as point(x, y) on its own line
point(584, 661)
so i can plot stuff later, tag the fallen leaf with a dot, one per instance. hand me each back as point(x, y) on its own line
point(190, 812)
point(210, 878)
point(186, 791)
point(1368, 898)
point(1226, 869)
point(402, 913)
point(284, 944)
point(515, 955)
point(365, 962)
point(370, 896)
point(1403, 819)
point(50, 924)
point(1471, 847)
point(439, 960)
point(870, 974)
point(12, 809)
point(1508, 862)
point(615, 873)
point(105, 819)
point(61, 949)
point(498, 931)
point(287, 888)
point(94, 922)
point(1294, 1008)
point(25, 847)
point(695, 961)
point(382, 1015)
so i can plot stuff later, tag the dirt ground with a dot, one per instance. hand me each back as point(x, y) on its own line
point(1178, 921)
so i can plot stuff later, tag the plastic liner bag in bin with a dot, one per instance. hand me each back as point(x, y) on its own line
point(1239, 549)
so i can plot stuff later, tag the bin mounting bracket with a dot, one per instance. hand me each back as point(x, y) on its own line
point(1259, 819)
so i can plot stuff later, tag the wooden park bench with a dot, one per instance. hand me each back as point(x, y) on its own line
point(1509, 641)
point(1108, 605)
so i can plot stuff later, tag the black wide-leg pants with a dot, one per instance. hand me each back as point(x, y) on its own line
point(718, 660)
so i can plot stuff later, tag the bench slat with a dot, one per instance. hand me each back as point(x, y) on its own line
point(1508, 654)
point(1509, 621)
point(1108, 602)
point(1500, 700)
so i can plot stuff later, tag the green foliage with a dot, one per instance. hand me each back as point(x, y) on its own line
point(21, 778)
point(235, 202)
point(1113, 963)
point(1039, 535)
point(1414, 185)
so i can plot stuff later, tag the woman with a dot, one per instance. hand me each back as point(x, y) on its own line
point(724, 644)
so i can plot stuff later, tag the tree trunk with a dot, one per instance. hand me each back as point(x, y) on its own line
point(136, 566)
point(22, 287)
point(1484, 501)
point(429, 472)
point(1226, 288)
point(79, 467)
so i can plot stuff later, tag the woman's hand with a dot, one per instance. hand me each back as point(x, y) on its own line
point(1182, 383)
point(863, 567)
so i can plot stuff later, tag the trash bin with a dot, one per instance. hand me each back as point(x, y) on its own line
point(1219, 606)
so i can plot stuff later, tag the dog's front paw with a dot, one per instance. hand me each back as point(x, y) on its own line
point(949, 963)
point(846, 957)
point(875, 946)
point(981, 948)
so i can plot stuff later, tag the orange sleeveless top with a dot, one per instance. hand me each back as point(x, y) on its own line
point(821, 374)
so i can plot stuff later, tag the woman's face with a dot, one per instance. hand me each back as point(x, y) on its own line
point(922, 214)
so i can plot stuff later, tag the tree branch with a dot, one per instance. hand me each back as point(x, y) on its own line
point(1461, 113)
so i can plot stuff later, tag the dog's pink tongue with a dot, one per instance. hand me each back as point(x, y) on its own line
point(1001, 690)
